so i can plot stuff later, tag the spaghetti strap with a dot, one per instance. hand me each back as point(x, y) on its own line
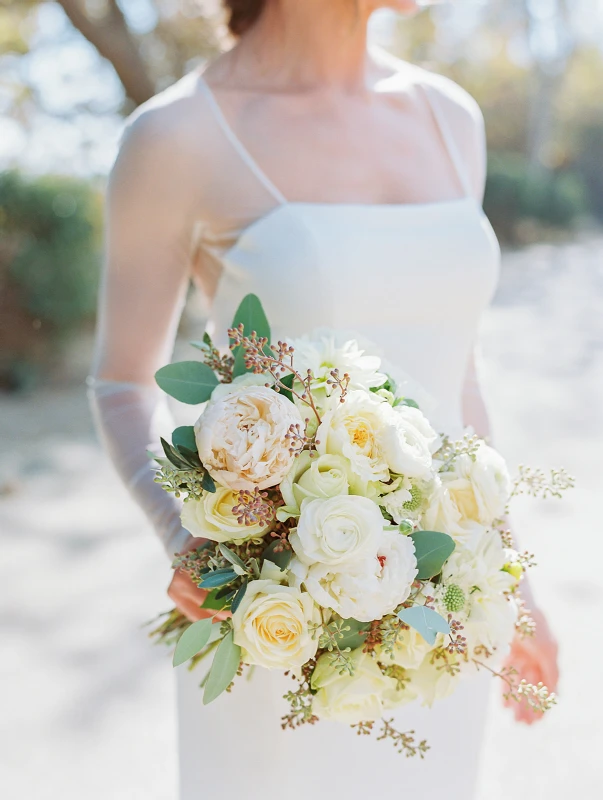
point(239, 146)
point(449, 142)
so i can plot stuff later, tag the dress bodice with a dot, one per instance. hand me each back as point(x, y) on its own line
point(412, 279)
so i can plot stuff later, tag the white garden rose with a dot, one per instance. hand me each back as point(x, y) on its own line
point(408, 442)
point(338, 530)
point(241, 437)
point(478, 488)
point(365, 590)
point(432, 682)
point(443, 514)
point(313, 477)
point(271, 626)
point(361, 697)
point(409, 651)
point(240, 382)
point(212, 517)
point(354, 429)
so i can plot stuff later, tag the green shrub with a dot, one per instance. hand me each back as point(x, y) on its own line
point(516, 194)
point(49, 266)
point(590, 164)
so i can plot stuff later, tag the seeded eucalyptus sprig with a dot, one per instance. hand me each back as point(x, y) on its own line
point(403, 742)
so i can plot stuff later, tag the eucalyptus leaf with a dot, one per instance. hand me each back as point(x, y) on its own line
point(194, 639)
point(217, 578)
point(225, 594)
point(236, 600)
point(426, 621)
point(405, 401)
point(223, 669)
point(251, 315)
point(184, 436)
point(190, 382)
point(211, 602)
point(207, 483)
point(174, 456)
point(232, 557)
point(280, 557)
point(432, 549)
point(190, 456)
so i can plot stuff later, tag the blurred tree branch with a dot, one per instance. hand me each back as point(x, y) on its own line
point(112, 38)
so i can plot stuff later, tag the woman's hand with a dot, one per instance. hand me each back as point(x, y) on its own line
point(186, 596)
point(535, 659)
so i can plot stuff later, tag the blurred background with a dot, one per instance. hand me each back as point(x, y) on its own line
point(90, 703)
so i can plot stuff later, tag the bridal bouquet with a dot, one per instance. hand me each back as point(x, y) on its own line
point(348, 543)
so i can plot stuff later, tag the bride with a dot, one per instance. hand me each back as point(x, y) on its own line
point(343, 188)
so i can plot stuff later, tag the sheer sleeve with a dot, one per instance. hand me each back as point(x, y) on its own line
point(149, 230)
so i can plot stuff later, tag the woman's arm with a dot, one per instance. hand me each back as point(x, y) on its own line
point(150, 211)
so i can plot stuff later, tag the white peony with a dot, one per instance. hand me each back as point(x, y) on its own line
point(212, 517)
point(271, 626)
point(361, 697)
point(368, 589)
point(241, 436)
point(337, 531)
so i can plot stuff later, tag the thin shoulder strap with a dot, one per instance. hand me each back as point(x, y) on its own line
point(449, 141)
point(239, 146)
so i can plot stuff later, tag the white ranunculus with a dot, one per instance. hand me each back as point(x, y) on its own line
point(407, 442)
point(241, 437)
point(271, 626)
point(365, 590)
point(338, 530)
point(354, 429)
point(212, 517)
point(361, 697)
point(312, 477)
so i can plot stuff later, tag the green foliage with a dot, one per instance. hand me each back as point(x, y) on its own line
point(432, 549)
point(278, 553)
point(516, 193)
point(190, 382)
point(49, 264)
point(223, 669)
point(250, 314)
point(192, 641)
point(184, 436)
point(426, 621)
point(590, 164)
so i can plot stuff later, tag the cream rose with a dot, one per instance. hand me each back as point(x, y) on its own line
point(361, 697)
point(241, 437)
point(314, 477)
point(337, 531)
point(432, 682)
point(271, 626)
point(368, 589)
point(211, 517)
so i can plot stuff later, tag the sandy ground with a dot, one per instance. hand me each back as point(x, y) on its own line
point(87, 704)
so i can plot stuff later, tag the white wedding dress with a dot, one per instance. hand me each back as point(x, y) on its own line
point(413, 279)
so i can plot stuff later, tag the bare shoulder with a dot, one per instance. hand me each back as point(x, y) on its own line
point(171, 123)
point(461, 112)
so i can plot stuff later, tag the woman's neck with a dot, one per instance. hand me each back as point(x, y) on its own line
point(307, 44)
